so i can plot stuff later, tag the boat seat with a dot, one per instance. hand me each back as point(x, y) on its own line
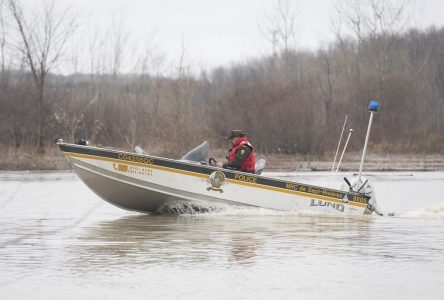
point(260, 165)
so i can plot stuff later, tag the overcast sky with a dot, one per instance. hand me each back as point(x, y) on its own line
point(220, 32)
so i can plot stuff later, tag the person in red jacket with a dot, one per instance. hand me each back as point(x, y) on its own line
point(241, 154)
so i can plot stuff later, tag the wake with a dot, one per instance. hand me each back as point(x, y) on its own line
point(435, 211)
point(184, 207)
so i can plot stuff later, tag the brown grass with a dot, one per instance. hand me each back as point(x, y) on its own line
point(27, 158)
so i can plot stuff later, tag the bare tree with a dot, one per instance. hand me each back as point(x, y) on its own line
point(386, 18)
point(364, 18)
point(181, 96)
point(179, 111)
point(350, 13)
point(119, 38)
point(326, 75)
point(372, 21)
point(279, 28)
point(42, 41)
point(2, 38)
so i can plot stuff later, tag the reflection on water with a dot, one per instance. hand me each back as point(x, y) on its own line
point(209, 241)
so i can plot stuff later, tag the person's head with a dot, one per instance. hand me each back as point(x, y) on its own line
point(235, 135)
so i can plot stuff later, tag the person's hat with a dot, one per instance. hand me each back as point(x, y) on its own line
point(236, 133)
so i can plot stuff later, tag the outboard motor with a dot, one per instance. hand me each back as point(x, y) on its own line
point(363, 187)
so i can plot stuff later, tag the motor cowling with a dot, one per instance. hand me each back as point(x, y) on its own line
point(363, 187)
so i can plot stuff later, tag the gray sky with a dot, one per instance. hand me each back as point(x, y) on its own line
point(220, 32)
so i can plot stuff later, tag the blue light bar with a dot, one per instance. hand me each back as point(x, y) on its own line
point(373, 106)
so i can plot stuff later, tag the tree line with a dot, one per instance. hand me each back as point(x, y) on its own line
point(289, 101)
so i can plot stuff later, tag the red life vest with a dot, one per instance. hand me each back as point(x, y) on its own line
point(249, 164)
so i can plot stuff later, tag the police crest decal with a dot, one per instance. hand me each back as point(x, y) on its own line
point(216, 179)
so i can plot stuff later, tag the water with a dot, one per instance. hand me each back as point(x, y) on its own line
point(60, 241)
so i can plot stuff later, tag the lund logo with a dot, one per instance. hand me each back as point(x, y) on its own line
point(336, 206)
point(216, 179)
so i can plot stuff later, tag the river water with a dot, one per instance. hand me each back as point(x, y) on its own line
point(58, 240)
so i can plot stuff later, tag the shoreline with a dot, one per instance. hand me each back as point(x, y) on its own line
point(379, 163)
point(52, 160)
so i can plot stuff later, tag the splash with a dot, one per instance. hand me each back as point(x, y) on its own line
point(435, 211)
point(184, 207)
point(259, 211)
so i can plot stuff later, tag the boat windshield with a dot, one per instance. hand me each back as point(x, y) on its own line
point(198, 154)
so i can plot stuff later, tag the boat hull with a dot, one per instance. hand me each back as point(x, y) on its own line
point(133, 194)
point(146, 183)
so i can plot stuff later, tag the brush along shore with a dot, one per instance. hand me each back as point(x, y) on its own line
point(16, 159)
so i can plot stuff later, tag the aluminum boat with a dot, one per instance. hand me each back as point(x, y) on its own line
point(145, 183)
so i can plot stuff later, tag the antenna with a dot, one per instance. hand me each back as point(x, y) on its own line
point(343, 151)
point(339, 144)
point(372, 108)
point(342, 155)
